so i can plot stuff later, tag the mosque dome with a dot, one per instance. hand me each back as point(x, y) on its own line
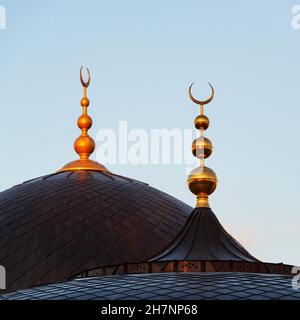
point(114, 237)
point(61, 224)
point(82, 217)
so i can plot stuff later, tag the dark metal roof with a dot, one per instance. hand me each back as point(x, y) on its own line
point(204, 238)
point(65, 223)
point(170, 286)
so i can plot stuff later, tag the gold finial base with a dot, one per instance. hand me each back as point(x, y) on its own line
point(202, 202)
point(83, 164)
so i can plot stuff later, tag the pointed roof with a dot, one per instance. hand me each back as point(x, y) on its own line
point(204, 238)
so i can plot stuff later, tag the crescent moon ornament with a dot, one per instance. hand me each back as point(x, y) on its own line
point(85, 84)
point(201, 102)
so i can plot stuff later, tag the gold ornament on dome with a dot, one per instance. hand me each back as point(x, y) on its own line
point(84, 145)
point(202, 181)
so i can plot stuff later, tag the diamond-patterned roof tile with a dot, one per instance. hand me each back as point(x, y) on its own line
point(62, 224)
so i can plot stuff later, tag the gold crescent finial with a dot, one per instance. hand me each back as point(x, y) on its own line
point(200, 102)
point(202, 181)
point(84, 145)
point(85, 84)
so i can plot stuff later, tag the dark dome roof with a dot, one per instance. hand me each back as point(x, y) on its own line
point(167, 286)
point(64, 223)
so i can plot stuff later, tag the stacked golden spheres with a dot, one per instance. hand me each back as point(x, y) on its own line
point(202, 180)
point(84, 145)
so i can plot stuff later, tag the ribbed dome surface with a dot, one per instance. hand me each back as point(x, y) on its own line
point(61, 224)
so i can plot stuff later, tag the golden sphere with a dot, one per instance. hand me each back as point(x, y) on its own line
point(85, 102)
point(202, 147)
point(84, 146)
point(201, 122)
point(84, 122)
point(202, 181)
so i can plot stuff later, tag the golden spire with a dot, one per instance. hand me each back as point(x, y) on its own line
point(202, 181)
point(84, 145)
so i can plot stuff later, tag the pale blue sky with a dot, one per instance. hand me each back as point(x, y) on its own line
point(143, 55)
